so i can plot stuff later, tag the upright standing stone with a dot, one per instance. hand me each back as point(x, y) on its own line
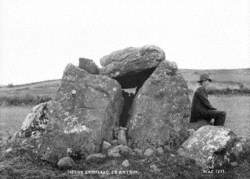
point(160, 110)
point(86, 109)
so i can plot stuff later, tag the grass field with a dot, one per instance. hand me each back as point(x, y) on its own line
point(11, 118)
point(238, 112)
point(238, 119)
point(28, 94)
point(39, 88)
point(235, 79)
point(32, 91)
point(237, 108)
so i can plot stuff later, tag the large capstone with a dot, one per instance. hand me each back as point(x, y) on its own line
point(214, 146)
point(132, 66)
point(160, 110)
point(85, 112)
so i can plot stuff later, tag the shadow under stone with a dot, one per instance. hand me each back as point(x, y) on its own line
point(134, 79)
point(131, 83)
point(128, 100)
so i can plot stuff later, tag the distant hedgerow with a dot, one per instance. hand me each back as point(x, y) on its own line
point(226, 91)
point(10, 85)
point(229, 91)
point(23, 100)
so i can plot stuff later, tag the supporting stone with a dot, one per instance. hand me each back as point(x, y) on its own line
point(160, 110)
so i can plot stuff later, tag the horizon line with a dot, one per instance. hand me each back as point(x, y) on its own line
point(51, 80)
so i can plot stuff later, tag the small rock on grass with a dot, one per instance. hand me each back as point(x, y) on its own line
point(125, 163)
point(124, 149)
point(172, 155)
point(9, 150)
point(138, 151)
point(116, 151)
point(154, 168)
point(97, 157)
point(65, 163)
point(148, 152)
point(234, 164)
point(106, 145)
point(160, 150)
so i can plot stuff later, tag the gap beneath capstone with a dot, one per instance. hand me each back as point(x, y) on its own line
point(131, 83)
point(128, 100)
point(134, 79)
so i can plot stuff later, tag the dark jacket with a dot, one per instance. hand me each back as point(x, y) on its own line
point(200, 105)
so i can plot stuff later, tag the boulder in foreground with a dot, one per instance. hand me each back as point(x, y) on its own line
point(213, 146)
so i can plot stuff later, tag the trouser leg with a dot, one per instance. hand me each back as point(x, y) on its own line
point(220, 119)
point(218, 116)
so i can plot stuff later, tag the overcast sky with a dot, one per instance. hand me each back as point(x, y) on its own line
point(38, 38)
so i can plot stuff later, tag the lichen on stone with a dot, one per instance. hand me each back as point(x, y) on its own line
point(77, 129)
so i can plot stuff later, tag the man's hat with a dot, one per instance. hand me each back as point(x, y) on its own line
point(204, 77)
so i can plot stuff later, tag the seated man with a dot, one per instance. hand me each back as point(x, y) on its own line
point(201, 107)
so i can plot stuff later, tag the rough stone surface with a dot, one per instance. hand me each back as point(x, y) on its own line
point(132, 66)
point(212, 145)
point(191, 131)
point(160, 111)
point(38, 113)
point(148, 52)
point(86, 109)
point(88, 65)
point(198, 124)
point(66, 163)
